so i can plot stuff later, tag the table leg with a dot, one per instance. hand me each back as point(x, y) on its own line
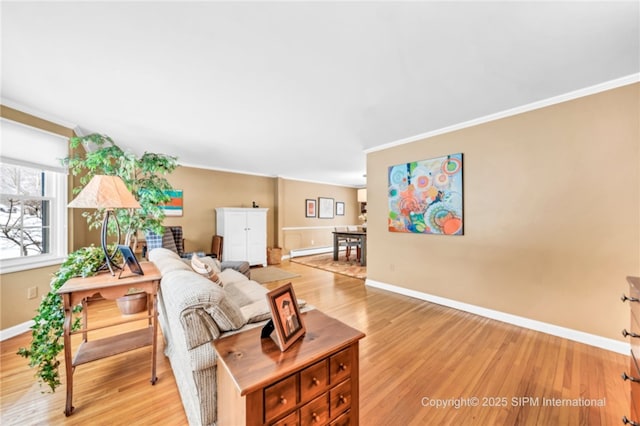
point(363, 250)
point(154, 340)
point(68, 362)
point(85, 319)
point(335, 247)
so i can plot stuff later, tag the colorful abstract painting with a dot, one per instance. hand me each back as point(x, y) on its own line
point(425, 197)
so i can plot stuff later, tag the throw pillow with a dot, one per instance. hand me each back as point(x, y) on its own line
point(214, 263)
point(204, 269)
point(168, 241)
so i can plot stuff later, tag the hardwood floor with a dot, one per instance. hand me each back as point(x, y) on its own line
point(417, 356)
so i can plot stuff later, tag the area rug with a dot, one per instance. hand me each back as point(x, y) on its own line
point(351, 268)
point(271, 273)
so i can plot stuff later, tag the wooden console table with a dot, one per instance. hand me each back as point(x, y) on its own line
point(77, 290)
point(315, 381)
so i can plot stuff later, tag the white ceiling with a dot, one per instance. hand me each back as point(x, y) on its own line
point(301, 89)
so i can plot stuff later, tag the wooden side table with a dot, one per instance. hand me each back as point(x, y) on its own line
point(315, 381)
point(77, 290)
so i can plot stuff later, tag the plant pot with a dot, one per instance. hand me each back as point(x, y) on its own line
point(132, 303)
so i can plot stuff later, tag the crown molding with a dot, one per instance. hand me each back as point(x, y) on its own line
point(244, 172)
point(587, 91)
point(37, 113)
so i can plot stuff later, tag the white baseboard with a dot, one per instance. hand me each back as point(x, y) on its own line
point(15, 330)
point(309, 251)
point(566, 333)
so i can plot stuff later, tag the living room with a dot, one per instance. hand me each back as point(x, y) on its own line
point(551, 224)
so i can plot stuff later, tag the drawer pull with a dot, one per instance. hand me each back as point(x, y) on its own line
point(342, 367)
point(316, 418)
point(624, 298)
point(342, 399)
point(283, 400)
point(626, 421)
point(626, 333)
point(625, 376)
point(315, 381)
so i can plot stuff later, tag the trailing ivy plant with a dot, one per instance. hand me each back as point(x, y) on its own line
point(144, 176)
point(47, 332)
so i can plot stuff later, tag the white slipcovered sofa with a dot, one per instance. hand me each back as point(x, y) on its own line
point(193, 312)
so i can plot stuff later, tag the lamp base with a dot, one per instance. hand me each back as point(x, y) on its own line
point(109, 263)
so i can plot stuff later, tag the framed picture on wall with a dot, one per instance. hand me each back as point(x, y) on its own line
point(309, 208)
point(339, 208)
point(325, 208)
point(174, 206)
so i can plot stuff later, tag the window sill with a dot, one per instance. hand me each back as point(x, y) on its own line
point(17, 265)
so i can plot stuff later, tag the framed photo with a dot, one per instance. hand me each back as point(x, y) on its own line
point(309, 208)
point(129, 260)
point(285, 313)
point(325, 208)
point(339, 208)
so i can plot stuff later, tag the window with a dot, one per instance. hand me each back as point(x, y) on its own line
point(33, 213)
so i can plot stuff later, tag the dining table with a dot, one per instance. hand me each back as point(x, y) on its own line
point(360, 235)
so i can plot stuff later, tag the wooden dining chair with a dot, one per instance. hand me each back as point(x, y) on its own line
point(216, 246)
point(356, 242)
point(348, 243)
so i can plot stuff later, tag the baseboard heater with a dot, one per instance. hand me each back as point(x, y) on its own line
point(309, 251)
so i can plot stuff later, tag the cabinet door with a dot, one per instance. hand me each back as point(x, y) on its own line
point(257, 237)
point(235, 238)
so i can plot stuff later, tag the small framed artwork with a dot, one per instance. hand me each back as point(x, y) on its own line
point(339, 208)
point(309, 208)
point(129, 260)
point(285, 313)
point(325, 208)
point(173, 207)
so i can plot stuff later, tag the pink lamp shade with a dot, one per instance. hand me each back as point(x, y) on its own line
point(105, 192)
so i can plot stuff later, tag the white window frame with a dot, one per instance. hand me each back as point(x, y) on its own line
point(57, 182)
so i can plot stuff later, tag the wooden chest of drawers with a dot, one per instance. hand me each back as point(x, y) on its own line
point(633, 375)
point(314, 382)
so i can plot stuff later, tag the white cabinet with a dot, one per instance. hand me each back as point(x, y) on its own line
point(244, 233)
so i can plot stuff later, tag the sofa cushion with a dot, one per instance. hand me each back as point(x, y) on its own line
point(256, 311)
point(159, 253)
point(201, 327)
point(184, 289)
point(251, 289)
point(260, 310)
point(227, 314)
point(238, 296)
point(229, 276)
point(167, 261)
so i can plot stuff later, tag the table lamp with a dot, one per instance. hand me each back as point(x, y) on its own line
point(106, 192)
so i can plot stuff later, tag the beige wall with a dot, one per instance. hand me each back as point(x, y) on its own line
point(204, 190)
point(551, 215)
point(298, 231)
